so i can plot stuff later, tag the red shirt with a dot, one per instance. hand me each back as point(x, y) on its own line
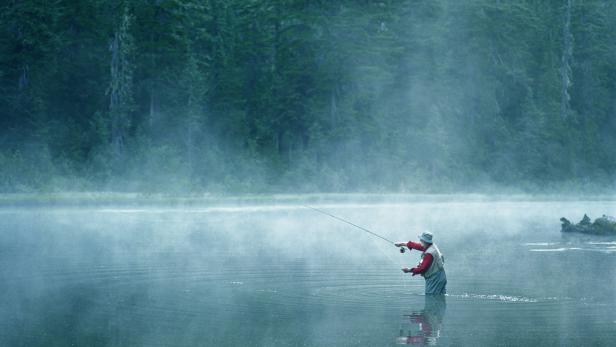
point(426, 261)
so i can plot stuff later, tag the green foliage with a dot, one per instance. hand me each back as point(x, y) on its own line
point(295, 95)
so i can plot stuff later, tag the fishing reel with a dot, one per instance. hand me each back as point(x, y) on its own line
point(402, 250)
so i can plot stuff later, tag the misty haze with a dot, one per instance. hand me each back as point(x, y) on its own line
point(307, 173)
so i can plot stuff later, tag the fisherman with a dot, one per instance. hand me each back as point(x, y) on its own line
point(432, 265)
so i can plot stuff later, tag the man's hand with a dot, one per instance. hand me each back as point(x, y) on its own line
point(400, 244)
point(413, 271)
point(406, 270)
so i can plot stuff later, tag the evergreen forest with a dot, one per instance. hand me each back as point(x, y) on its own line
point(291, 96)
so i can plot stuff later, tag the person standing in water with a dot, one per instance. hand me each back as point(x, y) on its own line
point(431, 266)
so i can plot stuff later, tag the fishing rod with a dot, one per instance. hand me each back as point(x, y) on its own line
point(353, 224)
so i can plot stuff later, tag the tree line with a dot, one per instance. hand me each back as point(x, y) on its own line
point(307, 95)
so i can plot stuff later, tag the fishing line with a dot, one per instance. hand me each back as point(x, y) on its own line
point(360, 228)
point(346, 221)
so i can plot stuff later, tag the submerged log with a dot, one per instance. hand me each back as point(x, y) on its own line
point(606, 225)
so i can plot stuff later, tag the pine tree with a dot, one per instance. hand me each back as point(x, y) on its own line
point(121, 102)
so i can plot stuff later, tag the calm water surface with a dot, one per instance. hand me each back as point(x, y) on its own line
point(284, 275)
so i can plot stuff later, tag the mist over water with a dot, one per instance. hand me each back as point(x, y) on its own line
point(139, 141)
point(281, 274)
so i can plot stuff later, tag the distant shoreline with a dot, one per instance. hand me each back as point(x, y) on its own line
point(141, 199)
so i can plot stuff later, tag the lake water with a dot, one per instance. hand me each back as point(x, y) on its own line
point(285, 275)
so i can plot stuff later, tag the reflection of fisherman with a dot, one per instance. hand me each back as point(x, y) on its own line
point(432, 265)
point(428, 323)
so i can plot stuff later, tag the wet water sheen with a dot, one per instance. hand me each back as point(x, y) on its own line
point(284, 275)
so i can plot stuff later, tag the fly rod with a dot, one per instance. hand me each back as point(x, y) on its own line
point(353, 224)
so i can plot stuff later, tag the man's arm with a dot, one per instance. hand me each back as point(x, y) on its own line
point(410, 245)
point(415, 245)
point(425, 264)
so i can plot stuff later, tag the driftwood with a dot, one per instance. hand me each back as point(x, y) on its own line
point(605, 225)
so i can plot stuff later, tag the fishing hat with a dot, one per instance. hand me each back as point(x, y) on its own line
point(426, 237)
